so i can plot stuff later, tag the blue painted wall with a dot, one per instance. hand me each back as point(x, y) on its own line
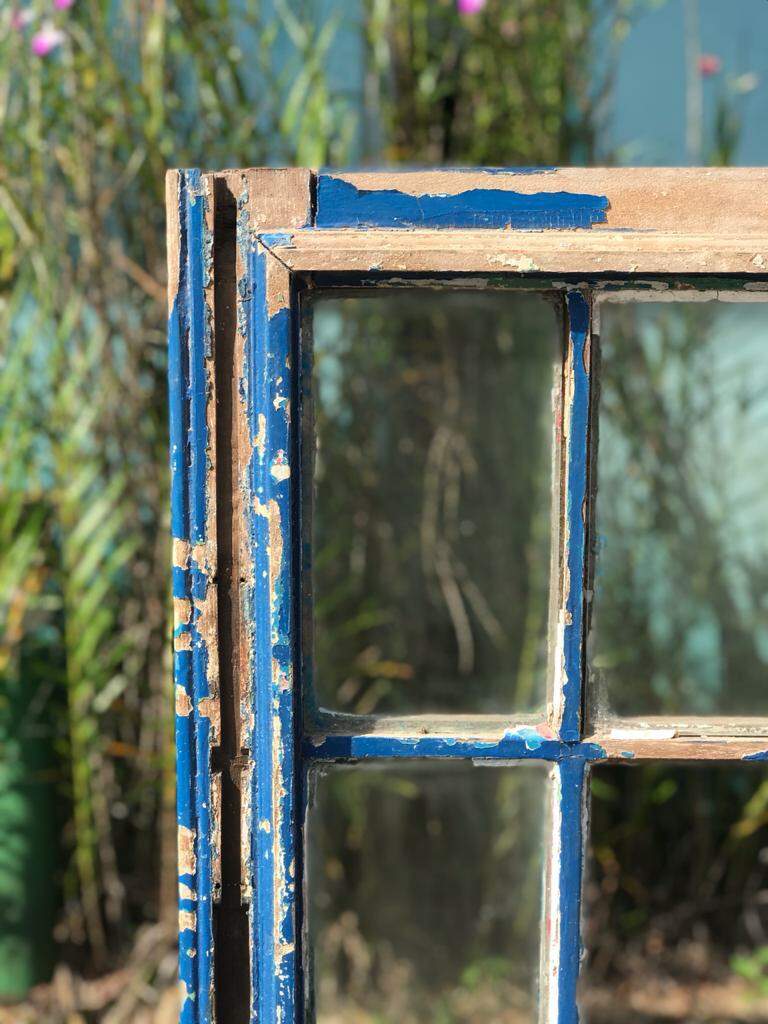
point(647, 120)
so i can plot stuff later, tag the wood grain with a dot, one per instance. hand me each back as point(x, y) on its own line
point(707, 200)
point(523, 252)
point(273, 197)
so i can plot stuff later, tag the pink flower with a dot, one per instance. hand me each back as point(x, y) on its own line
point(63, 5)
point(470, 6)
point(22, 17)
point(709, 64)
point(47, 39)
point(510, 28)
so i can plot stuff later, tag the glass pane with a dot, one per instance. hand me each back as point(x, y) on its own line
point(432, 517)
point(425, 893)
point(676, 898)
point(680, 623)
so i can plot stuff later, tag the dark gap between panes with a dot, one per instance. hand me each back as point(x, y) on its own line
point(425, 893)
point(679, 624)
point(434, 487)
point(675, 903)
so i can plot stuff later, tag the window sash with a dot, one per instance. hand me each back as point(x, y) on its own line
point(287, 233)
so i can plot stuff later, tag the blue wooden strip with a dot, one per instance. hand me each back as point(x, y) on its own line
point(310, 707)
point(178, 434)
point(341, 205)
point(269, 388)
point(517, 745)
point(188, 387)
point(576, 495)
point(571, 777)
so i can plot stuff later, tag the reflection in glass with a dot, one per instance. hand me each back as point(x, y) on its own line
point(432, 519)
point(680, 622)
point(676, 896)
point(425, 886)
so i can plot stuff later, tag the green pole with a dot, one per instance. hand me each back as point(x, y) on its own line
point(29, 841)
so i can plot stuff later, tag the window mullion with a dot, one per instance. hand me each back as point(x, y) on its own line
point(561, 934)
point(568, 673)
point(271, 803)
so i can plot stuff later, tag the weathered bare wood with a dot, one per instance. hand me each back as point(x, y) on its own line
point(682, 749)
point(210, 553)
point(231, 922)
point(272, 197)
point(707, 200)
point(172, 233)
point(521, 252)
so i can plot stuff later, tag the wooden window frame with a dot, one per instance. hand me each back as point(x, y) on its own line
point(246, 249)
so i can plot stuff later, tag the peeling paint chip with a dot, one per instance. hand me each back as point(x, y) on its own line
point(187, 920)
point(182, 641)
point(186, 892)
point(183, 702)
point(181, 550)
point(182, 610)
point(643, 734)
point(260, 439)
point(523, 264)
point(280, 469)
point(187, 858)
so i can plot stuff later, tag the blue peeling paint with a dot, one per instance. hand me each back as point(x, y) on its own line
point(512, 746)
point(576, 496)
point(532, 739)
point(628, 753)
point(269, 391)
point(759, 755)
point(571, 778)
point(276, 239)
point(341, 205)
point(178, 438)
point(188, 387)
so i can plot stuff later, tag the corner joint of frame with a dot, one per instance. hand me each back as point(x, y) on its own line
point(278, 273)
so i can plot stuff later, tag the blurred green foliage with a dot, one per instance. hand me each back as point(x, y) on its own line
point(754, 968)
point(88, 131)
point(675, 890)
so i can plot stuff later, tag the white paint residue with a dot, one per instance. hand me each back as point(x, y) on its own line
point(643, 734)
point(523, 264)
point(280, 468)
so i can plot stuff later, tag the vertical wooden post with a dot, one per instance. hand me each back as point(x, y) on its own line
point(193, 517)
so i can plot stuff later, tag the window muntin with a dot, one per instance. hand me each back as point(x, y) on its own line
point(434, 485)
point(679, 619)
